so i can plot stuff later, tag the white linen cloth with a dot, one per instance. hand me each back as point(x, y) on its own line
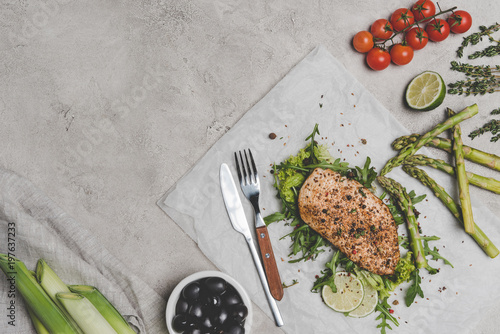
point(354, 125)
point(43, 230)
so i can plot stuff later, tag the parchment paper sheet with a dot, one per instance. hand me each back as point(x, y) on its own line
point(320, 90)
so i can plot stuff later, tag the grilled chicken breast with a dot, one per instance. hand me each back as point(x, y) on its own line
point(353, 219)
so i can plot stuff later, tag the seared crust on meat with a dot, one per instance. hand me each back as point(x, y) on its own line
point(353, 219)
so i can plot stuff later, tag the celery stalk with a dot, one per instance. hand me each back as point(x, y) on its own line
point(39, 327)
point(85, 314)
point(52, 285)
point(101, 303)
point(54, 320)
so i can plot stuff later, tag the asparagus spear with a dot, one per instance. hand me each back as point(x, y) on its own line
point(463, 182)
point(397, 192)
point(403, 141)
point(479, 236)
point(487, 183)
point(472, 154)
point(424, 139)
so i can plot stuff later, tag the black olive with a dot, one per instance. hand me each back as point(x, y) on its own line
point(231, 297)
point(221, 317)
point(193, 331)
point(207, 331)
point(234, 328)
point(191, 292)
point(216, 285)
point(206, 322)
point(213, 301)
point(239, 312)
point(180, 322)
point(196, 310)
point(182, 306)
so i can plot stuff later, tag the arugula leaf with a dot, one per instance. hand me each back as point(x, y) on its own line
point(275, 217)
point(337, 166)
point(305, 241)
point(414, 289)
point(416, 199)
point(313, 142)
point(435, 253)
point(367, 174)
point(294, 282)
point(405, 241)
point(328, 277)
point(383, 307)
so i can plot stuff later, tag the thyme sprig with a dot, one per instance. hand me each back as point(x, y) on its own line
point(475, 38)
point(475, 86)
point(475, 70)
point(493, 126)
point(480, 79)
point(490, 51)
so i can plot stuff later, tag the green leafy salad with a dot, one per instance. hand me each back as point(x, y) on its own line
point(307, 244)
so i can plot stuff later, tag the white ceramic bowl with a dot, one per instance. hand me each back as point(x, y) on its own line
point(174, 296)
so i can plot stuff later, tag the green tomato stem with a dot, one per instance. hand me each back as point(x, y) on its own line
point(415, 24)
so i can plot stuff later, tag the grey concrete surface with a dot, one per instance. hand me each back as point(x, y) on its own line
point(106, 104)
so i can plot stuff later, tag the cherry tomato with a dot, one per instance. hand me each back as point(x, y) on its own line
point(363, 41)
point(417, 38)
point(381, 29)
point(438, 30)
point(401, 54)
point(378, 59)
point(460, 21)
point(402, 18)
point(423, 9)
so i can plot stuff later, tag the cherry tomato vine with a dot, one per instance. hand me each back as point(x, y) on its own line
point(417, 24)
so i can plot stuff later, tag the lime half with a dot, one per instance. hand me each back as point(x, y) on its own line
point(349, 293)
point(368, 304)
point(426, 91)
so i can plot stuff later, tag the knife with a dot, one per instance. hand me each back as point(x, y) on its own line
point(240, 224)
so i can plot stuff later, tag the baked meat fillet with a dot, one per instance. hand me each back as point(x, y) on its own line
point(353, 219)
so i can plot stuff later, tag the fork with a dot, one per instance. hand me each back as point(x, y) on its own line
point(250, 186)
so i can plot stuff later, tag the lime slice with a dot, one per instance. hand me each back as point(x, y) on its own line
point(349, 293)
point(426, 91)
point(368, 304)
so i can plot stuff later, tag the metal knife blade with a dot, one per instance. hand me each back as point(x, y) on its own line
point(233, 202)
point(240, 224)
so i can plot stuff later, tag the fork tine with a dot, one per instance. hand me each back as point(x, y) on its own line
point(247, 165)
point(238, 169)
point(244, 169)
point(255, 175)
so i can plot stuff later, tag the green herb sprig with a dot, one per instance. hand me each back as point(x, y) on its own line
point(493, 126)
point(414, 289)
point(480, 79)
point(475, 38)
point(475, 86)
point(434, 253)
point(294, 282)
point(385, 315)
point(328, 275)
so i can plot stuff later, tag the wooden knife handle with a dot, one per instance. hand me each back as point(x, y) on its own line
point(272, 273)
